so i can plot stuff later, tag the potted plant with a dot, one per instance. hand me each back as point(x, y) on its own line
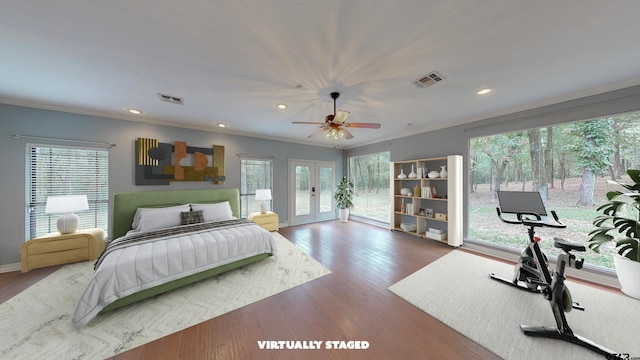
point(344, 197)
point(619, 222)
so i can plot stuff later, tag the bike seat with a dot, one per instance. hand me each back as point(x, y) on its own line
point(567, 245)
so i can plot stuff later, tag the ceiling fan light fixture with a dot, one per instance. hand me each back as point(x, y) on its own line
point(335, 134)
point(335, 124)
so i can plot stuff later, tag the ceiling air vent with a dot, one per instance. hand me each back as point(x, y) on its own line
point(171, 99)
point(429, 80)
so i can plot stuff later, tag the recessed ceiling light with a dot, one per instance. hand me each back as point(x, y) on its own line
point(282, 106)
point(484, 91)
point(134, 111)
point(222, 125)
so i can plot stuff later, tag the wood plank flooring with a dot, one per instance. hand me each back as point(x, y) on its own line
point(350, 304)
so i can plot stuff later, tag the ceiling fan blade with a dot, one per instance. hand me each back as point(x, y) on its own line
point(340, 117)
point(347, 135)
point(316, 133)
point(307, 122)
point(363, 125)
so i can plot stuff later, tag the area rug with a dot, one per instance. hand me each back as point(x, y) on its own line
point(457, 290)
point(36, 324)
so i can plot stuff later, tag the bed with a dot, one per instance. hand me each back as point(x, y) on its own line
point(151, 254)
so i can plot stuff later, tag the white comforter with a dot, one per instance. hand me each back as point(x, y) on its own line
point(149, 263)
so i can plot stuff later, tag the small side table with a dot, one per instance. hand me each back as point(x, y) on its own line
point(57, 249)
point(268, 221)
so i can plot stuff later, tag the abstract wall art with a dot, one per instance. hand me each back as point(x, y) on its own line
point(161, 163)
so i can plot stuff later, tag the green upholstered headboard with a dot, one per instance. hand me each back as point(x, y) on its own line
point(125, 204)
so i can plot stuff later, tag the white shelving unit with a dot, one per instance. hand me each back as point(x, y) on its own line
point(435, 213)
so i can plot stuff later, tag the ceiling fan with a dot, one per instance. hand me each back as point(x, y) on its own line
point(335, 125)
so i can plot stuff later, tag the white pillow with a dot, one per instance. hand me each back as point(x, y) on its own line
point(147, 219)
point(214, 212)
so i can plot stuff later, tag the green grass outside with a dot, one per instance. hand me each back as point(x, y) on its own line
point(485, 225)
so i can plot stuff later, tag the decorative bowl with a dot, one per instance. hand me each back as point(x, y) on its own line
point(433, 174)
point(408, 226)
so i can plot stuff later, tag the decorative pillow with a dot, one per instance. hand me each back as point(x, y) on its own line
point(147, 219)
point(191, 217)
point(214, 212)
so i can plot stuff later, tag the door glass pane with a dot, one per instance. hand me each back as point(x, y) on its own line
point(325, 189)
point(303, 191)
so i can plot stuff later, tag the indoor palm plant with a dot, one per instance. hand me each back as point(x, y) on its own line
point(619, 222)
point(344, 197)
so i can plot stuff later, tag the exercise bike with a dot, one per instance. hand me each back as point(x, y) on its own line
point(532, 273)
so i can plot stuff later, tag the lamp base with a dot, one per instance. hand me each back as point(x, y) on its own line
point(263, 207)
point(67, 223)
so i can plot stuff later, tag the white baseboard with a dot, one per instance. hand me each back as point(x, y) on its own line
point(10, 267)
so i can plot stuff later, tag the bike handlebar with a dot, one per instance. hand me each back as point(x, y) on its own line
point(532, 219)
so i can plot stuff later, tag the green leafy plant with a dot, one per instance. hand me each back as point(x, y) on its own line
point(620, 220)
point(344, 194)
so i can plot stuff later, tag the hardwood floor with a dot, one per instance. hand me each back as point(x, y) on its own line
point(350, 304)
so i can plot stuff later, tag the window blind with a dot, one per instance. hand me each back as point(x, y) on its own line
point(254, 174)
point(58, 170)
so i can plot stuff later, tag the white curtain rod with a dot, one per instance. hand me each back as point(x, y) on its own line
point(108, 145)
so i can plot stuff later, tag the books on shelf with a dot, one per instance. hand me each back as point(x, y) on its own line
point(412, 209)
point(428, 192)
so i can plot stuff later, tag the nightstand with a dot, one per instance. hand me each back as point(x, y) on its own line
point(57, 249)
point(268, 221)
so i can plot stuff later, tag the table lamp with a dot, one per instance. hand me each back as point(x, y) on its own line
point(66, 204)
point(264, 195)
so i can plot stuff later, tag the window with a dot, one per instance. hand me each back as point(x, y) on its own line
point(370, 176)
point(569, 164)
point(255, 173)
point(57, 170)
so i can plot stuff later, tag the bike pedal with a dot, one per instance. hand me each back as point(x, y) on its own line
point(577, 306)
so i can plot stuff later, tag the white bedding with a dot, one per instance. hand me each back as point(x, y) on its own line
point(149, 263)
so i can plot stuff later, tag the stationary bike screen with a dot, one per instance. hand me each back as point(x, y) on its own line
point(521, 202)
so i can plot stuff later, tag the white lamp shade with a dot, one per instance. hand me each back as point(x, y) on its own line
point(263, 194)
point(66, 204)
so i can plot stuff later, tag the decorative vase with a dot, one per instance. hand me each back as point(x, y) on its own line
point(416, 191)
point(402, 175)
point(443, 171)
point(412, 174)
point(344, 215)
point(628, 275)
point(433, 174)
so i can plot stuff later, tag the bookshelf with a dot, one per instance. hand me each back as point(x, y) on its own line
point(433, 208)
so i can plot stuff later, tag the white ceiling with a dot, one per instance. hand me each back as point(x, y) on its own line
point(234, 61)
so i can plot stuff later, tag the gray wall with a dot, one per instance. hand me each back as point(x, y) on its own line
point(448, 141)
point(454, 140)
point(54, 124)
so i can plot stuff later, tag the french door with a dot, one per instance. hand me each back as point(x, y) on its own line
point(311, 185)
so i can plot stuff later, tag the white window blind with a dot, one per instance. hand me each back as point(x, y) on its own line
point(56, 170)
point(254, 174)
